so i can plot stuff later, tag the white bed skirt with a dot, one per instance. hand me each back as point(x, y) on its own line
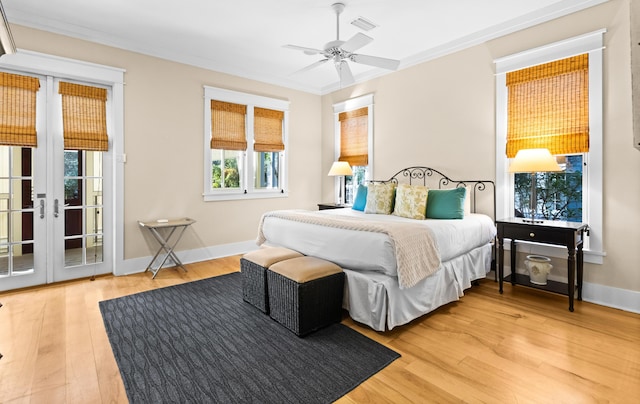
point(376, 299)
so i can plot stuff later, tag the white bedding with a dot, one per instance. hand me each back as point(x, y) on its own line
point(373, 295)
point(370, 251)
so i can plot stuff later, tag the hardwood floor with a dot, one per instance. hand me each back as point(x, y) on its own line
point(522, 346)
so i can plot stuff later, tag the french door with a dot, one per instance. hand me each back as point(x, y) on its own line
point(55, 206)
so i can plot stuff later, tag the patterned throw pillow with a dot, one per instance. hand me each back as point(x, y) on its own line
point(411, 201)
point(380, 197)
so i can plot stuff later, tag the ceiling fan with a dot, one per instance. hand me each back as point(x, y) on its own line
point(339, 52)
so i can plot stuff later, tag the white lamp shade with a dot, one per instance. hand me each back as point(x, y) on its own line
point(533, 161)
point(340, 168)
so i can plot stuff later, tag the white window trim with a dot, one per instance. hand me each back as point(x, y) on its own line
point(251, 101)
point(593, 44)
point(350, 105)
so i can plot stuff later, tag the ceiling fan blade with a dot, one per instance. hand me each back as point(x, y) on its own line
point(390, 64)
point(344, 71)
point(356, 42)
point(308, 51)
point(311, 66)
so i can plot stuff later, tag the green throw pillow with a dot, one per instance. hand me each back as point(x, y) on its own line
point(446, 203)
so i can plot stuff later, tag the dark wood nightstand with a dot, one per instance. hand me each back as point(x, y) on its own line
point(568, 234)
point(325, 206)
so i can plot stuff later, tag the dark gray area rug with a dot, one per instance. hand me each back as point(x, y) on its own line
point(199, 342)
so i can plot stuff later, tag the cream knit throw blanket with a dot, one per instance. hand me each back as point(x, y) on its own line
point(416, 253)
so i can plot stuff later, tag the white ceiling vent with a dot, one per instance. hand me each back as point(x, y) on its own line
point(364, 24)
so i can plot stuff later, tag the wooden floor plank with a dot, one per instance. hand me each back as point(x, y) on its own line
point(522, 346)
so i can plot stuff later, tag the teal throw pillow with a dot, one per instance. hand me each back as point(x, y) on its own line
point(361, 198)
point(446, 203)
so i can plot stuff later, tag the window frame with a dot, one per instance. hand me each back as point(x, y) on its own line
point(593, 44)
point(247, 189)
point(350, 105)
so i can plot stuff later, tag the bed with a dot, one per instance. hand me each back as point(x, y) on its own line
point(398, 266)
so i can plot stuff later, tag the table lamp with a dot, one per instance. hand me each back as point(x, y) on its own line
point(533, 161)
point(340, 169)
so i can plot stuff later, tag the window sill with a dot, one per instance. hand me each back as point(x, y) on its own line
point(240, 196)
point(524, 247)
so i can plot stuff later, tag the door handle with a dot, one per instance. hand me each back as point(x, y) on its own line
point(56, 208)
point(41, 208)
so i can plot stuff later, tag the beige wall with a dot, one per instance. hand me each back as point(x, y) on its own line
point(441, 113)
point(163, 131)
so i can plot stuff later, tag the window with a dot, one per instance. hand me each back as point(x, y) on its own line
point(548, 107)
point(354, 141)
point(245, 144)
point(575, 194)
point(559, 195)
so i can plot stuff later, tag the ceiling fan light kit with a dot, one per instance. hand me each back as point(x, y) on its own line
point(340, 52)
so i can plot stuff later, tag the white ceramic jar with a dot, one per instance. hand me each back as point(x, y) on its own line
point(539, 267)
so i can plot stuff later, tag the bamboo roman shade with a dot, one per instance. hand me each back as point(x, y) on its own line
point(18, 110)
point(228, 126)
point(354, 136)
point(84, 117)
point(267, 130)
point(549, 107)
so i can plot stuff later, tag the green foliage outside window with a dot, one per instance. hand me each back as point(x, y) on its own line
point(71, 169)
point(559, 195)
point(231, 174)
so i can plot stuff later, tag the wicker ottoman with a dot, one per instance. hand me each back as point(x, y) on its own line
point(305, 293)
point(253, 266)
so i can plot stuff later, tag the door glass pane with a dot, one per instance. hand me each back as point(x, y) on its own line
point(16, 210)
point(94, 164)
point(94, 249)
point(4, 260)
point(4, 229)
point(22, 193)
point(83, 207)
point(93, 194)
point(73, 222)
point(73, 252)
point(71, 166)
point(22, 258)
point(93, 221)
point(21, 227)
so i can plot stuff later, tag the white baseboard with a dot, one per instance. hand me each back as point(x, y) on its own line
point(136, 265)
point(623, 299)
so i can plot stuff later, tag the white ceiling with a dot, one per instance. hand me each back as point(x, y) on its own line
point(246, 37)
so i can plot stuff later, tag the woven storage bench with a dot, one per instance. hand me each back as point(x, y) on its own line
point(305, 293)
point(253, 266)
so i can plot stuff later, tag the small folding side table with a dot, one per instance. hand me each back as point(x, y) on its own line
point(167, 244)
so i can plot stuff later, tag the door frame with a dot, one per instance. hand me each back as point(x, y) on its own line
point(36, 63)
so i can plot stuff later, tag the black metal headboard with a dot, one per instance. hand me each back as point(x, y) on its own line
point(427, 176)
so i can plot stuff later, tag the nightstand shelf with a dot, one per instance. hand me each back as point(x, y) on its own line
point(551, 286)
